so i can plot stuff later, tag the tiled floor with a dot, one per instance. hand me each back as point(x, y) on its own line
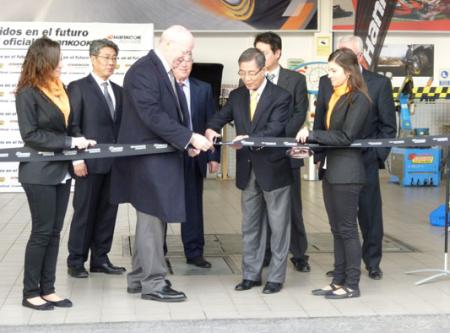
point(102, 298)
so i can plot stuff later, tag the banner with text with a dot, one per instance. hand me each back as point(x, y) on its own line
point(372, 21)
point(133, 40)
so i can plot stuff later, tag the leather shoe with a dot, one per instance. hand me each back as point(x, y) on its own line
point(247, 284)
point(138, 289)
point(348, 293)
point(78, 272)
point(107, 268)
point(167, 294)
point(199, 262)
point(301, 265)
point(42, 307)
point(64, 303)
point(330, 273)
point(272, 287)
point(375, 273)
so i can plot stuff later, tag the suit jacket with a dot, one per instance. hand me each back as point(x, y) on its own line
point(203, 108)
point(381, 122)
point(42, 127)
point(271, 167)
point(344, 165)
point(92, 119)
point(153, 184)
point(295, 84)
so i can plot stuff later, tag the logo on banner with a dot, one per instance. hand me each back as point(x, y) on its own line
point(126, 39)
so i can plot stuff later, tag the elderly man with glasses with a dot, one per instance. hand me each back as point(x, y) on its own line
point(260, 109)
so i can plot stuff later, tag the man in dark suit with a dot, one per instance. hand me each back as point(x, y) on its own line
point(154, 184)
point(199, 102)
point(96, 105)
point(260, 108)
point(381, 123)
point(270, 44)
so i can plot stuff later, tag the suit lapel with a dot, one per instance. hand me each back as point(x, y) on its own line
point(95, 87)
point(194, 94)
point(283, 80)
point(165, 77)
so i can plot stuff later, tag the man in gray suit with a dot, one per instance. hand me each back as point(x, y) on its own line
point(269, 43)
point(261, 109)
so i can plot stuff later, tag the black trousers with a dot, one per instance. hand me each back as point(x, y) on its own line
point(93, 221)
point(370, 214)
point(341, 203)
point(48, 205)
point(192, 232)
point(299, 241)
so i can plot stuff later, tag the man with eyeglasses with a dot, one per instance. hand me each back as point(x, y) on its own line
point(260, 109)
point(96, 104)
point(197, 98)
point(154, 184)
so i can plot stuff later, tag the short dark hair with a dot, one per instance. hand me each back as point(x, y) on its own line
point(253, 54)
point(98, 44)
point(269, 38)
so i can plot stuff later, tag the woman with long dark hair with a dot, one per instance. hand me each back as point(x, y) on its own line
point(43, 112)
point(342, 169)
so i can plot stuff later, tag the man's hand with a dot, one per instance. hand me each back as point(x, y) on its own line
point(80, 169)
point(299, 152)
point(236, 144)
point(200, 142)
point(302, 135)
point(213, 166)
point(211, 134)
point(192, 152)
point(82, 143)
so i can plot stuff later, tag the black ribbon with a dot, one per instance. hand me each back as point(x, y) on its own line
point(26, 154)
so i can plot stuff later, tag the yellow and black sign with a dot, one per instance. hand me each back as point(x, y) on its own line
point(428, 93)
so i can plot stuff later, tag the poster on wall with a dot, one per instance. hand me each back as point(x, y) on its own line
point(196, 15)
point(133, 40)
point(409, 15)
point(407, 59)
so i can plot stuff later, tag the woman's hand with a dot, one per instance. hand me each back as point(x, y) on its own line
point(302, 135)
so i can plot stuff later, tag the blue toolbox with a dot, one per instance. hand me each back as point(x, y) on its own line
point(416, 166)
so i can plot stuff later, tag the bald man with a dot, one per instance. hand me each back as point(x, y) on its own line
point(154, 184)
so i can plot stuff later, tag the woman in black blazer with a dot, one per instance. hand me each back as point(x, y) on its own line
point(43, 112)
point(342, 169)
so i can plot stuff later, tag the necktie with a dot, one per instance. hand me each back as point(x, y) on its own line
point(108, 98)
point(184, 105)
point(253, 103)
point(270, 77)
point(176, 90)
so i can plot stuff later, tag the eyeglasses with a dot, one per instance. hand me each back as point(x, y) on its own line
point(187, 57)
point(107, 59)
point(251, 74)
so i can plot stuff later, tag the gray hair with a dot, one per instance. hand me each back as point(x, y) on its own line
point(253, 54)
point(355, 40)
point(98, 44)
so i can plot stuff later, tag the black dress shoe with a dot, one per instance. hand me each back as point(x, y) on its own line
point(330, 273)
point(137, 290)
point(199, 262)
point(301, 265)
point(272, 287)
point(167, 294)
point(348, 293)
point(42, 307)
point(247, 284)
point(78, 272)
point(325, 291)
point(107, 268)
point(375, 273)
point(64, 303)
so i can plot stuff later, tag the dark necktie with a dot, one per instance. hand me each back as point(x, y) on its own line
point(108, 98)
point(184, 106)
